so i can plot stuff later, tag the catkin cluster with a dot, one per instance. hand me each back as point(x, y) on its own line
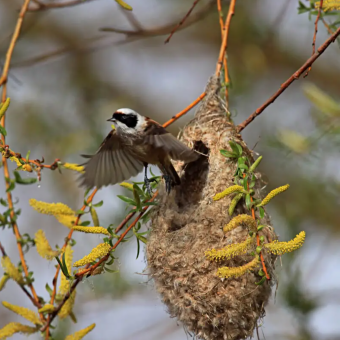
point(188, 223)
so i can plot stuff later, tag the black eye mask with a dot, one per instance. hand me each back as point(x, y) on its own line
point(130, 120)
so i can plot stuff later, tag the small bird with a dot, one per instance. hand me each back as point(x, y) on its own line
point(135, 142)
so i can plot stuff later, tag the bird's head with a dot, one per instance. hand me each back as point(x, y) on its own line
point(127, 120)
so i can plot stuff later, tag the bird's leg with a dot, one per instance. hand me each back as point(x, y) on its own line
point(168, 183)
point(146, 180)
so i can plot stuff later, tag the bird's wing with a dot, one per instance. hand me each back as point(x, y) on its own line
point(158, 137)
point(111, 164)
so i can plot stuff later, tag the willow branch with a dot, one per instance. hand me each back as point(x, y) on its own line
point(3, 83)
point(41, 6)
point(290, 80)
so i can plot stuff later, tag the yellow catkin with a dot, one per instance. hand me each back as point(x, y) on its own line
point(48, 308)
point(64, 282)
point(233, 203)
point(24, 167)
point(66, 309)
point(280, 248)
point(15, 327)
point(228, 191)
point(24, 312)
point(227, 272)
point(66, 220)
point(43, 247)
point(51, 208)
point(92, 230)
point(3, 281)
point(272, 194)
point(241, 219)
point(74, 167)
point(230, 250)
point(14, 159)
point(100, 251)
point(126, 185)
point(80, 334)
point(328, 5)
point(11, 270)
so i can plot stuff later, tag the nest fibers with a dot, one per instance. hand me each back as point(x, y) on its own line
point(188, 222)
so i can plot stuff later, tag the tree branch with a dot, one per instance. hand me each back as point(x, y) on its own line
point(290, 80)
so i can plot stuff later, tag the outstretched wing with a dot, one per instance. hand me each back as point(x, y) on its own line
point(157, 136)
point(111, 164)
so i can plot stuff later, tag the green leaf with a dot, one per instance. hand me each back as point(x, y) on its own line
point(86, 193)
point(136, 197)
point(85, 223)
point(148, 204)
point(3, 131)
point(28, 155)
point(138, 247)
point(228, 154)
point(260, 227)
point(245, 183)
point(261, 282)
point(99, 204)
point(248, 201)
point(127, 199)
point(261, 272)
point(63, 269)
point(237, 149)
point(261, 211)
point(243, 166)
point(49, 289)
point(110, 270)
point(80, 212)
point(3, 202)
point(142, 238)
point(138, 190)
point(24, 181)
point(11, 186)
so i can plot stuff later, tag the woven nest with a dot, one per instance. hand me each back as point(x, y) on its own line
point(188, 222)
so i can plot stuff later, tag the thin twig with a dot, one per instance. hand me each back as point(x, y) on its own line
point(3, 83)
point(181, 22)
point(43, 6)
point(290, 80)
point(224, 44)
point(315, 33)
point(329, 30)
point(225, 65)
point(101, 42)
point(162, 30)
point(183, 112)
point(258, 237)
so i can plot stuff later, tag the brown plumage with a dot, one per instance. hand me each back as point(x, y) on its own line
point(136, 142)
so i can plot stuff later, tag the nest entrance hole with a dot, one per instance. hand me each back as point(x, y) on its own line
point(194, 179)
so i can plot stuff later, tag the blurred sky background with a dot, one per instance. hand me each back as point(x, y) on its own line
point(59, 106)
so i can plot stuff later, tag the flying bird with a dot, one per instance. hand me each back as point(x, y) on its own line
point(135, 142)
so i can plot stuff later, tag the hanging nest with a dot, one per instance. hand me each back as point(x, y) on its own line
point(187, 223)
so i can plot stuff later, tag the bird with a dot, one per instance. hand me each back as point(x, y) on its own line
point(135, 142)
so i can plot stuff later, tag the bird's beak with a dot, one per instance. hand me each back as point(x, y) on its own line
point(110, 120)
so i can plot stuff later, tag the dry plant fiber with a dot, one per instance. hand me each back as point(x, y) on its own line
point(188, 222)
